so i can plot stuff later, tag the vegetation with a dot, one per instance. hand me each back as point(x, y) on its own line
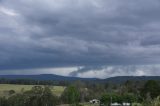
point(37, 96)
point(156, 102)
point(138, 93)
point(33, 82)
point(151, 88)
point(71, 95)
point(9, 89)
point(108, 98)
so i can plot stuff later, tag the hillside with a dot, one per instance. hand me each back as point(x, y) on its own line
point(118, 79)
point(121, 79)
point(46, 77)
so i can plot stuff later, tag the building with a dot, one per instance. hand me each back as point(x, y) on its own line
point(116, 104)
point(94, 101)
point(126, 104)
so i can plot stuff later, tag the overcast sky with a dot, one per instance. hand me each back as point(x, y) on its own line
point(84, 38)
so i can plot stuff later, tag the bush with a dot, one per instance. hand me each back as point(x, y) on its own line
point(38, 96)
point(3, 101)
point(11, 92)
point(156, 102)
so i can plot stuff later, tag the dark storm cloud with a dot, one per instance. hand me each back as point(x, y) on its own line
point(90, 33)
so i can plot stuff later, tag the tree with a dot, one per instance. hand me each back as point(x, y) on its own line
point(129, 98)
point(113, 97)
point(71, 95)
point(37, 96)
point(108, 98)
point(151, 87)
point(11, 92)
point(48, 99)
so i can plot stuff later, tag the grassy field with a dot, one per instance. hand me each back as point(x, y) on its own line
point(4, 88)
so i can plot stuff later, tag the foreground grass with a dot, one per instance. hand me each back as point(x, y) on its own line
point(4, 88)
point(82, 104)
point(136, 104)
point(88, 104)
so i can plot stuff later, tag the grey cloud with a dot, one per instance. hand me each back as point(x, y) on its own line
point(118, 70)
point(85, 69)
point(89, 33)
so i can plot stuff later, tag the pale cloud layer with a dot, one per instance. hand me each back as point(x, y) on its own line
point(111, 71)
point(101, 35)
point(101, 72)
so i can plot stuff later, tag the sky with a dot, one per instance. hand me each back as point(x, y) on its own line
point(81, 38)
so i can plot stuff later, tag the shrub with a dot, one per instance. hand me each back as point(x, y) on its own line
point(11, 92)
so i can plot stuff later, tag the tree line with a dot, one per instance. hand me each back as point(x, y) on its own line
point(33, 82)
point(144, 92)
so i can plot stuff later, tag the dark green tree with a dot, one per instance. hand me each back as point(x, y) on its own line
point(152, 88)
point(71, 95)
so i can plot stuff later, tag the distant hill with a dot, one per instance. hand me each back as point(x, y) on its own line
point(122, 79)
point(118, 79)
point(46, 77)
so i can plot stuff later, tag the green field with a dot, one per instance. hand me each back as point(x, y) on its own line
point(4, 88)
